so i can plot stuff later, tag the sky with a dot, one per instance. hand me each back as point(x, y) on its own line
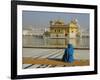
point(41, 19)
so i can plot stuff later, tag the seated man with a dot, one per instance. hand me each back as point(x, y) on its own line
point(68, 54)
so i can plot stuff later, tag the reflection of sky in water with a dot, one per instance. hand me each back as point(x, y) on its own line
point(39, 42)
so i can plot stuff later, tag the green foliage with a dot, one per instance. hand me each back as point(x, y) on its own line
point(47, 34)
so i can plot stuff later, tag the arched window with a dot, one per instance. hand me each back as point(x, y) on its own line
point(59, 30)
point(56, 35)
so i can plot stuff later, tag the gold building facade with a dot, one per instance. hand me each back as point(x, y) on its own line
point(58, 29)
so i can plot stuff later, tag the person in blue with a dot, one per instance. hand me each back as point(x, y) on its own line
point(69, 54)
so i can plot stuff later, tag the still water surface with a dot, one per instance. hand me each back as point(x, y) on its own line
point(34, 41)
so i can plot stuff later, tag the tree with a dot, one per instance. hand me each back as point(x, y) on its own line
point(47, 34)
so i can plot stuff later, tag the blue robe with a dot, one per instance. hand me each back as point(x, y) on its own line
point(69, 54)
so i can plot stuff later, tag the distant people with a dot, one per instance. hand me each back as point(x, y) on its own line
point(69, 54)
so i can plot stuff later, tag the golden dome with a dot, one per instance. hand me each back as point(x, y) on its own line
point(59, 22)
